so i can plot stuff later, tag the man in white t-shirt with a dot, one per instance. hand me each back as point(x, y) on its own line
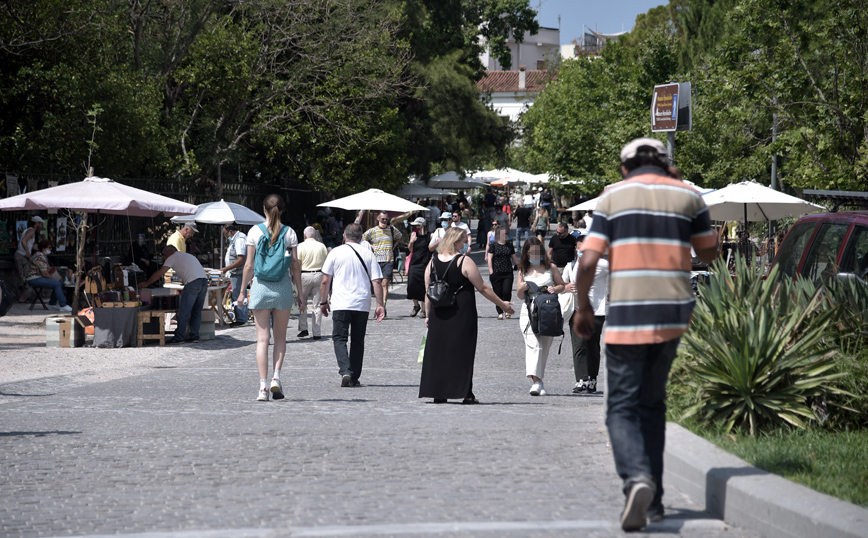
point(349, 271)
point(456, 223)
point(192, 299)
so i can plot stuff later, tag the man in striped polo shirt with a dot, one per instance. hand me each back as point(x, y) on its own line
point(648, 222)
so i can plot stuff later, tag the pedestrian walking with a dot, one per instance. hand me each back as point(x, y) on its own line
point(349, 271)
point(311, 256)
point(535, 266)
point(483, 226)
point(236, 255)
point(385, 239)
point(419, 258)
point(450, 349)
point(562, 246)
point(456, 223)
point(541, 224)
point(587, 351)
point(277, 247)
point(523, 215)
point(501, 260)
point(647, 223)
point(192, 298)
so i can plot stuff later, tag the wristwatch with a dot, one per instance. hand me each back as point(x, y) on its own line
point(321, 304)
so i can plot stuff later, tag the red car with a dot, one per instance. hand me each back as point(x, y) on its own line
point(823, 245)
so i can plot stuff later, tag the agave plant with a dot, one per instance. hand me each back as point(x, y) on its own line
point(757, 350)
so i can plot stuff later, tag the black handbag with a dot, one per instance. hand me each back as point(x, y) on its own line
point(439, 293)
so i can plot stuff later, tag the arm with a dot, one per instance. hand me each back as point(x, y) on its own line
point(380, 312)
point(412, 241)
point(234, 265)
point(559, 282)
point(706, 254)
point(156, 276)
point(550, 250)
point(247, 275)
point(25, 238)
point(428, 283)
point(490, 260)
point(583, 322)
point(295, 270)
point(472, 273)
point(521, 287)
point(324, 288)
point(432, 246)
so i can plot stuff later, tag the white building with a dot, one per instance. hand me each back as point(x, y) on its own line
point(534, 52)
point(513, 92)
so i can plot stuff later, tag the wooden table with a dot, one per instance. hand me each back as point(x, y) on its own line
point(145, 316)
point(213, 300)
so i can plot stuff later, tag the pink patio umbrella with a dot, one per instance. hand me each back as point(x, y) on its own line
point(96, 195)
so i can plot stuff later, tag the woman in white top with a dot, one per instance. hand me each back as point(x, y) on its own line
point(535, 266)
point(271, 299)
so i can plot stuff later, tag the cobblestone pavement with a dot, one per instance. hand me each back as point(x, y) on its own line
point(184, 450)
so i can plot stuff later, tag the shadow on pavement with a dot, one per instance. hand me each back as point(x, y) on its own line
point(38, 434)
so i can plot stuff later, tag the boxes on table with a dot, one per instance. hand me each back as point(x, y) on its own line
point(62, 331)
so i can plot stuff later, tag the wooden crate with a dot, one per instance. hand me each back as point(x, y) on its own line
point(146, 316)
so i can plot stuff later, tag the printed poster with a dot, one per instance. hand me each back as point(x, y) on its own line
point(20, 228)
point(60, 242)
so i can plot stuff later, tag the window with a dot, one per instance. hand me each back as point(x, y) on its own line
point(856, 256)
point(820, 264)
point(540, 64)
point(793, 248)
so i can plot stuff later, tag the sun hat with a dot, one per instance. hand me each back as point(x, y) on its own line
point(445, 215)
point(420, 221)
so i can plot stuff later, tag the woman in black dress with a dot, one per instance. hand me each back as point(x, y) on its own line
point(419, 258)
point(501, 259)
point(450, 349)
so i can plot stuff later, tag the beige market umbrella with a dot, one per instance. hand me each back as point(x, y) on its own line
point(374, 200)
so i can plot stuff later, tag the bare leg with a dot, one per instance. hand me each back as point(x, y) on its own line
point(262, 318)
point(281, 320)
point(386, 283)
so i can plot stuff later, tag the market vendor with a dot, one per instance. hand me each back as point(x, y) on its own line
point(179, 238)
point(25, 250)
point(143, 258)
point(234, 269)
point(193, 295)
point(42, 275)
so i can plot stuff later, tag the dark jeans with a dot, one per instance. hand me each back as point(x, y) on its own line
point(501, 283)
point(57, 297)
point(345, 323)
point(636, 415)
point(586, 353)
point(190, 308)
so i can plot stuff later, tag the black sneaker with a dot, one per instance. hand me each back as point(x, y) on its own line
point(302, 334)
point(192, 340)
point(346, 381)
point(635, 514)
point(655, 513)
point(580, 387)
point(592, 385)
point(317, 337)
point(356, 383)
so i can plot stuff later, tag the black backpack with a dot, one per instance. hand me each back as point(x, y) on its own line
point(546, 318)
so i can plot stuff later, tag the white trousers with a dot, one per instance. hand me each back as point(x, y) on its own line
point(310, 283)
point(536, 348)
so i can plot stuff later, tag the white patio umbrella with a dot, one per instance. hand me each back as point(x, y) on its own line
point(96, 195)
point(753, 202)
point(414, 190)
point(222, 213)
point(587, 205)
point(451, 180)
point(373, 199)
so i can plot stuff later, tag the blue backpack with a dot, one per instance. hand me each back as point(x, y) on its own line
point(271, 262)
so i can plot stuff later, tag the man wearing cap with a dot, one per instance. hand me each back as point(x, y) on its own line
point(236, 255)
point(647, 224)
point(25, 251)
point(311, 254)
point(192, 298)
point(179, 238)
point(440, 233)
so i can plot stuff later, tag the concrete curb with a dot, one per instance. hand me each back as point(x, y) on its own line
point(751, 498)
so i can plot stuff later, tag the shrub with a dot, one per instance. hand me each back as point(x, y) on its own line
point(758, 350)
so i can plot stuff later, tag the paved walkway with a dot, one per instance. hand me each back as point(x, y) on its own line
point(184, 450)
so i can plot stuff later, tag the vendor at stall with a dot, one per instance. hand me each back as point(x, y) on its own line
point(25, 251)
point(179, 238)
point(234, 269)
point(42, 275)
point(143, 258)
point(193, 295)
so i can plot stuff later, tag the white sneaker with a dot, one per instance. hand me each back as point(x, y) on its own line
point(66, 308)
point(276, 389)
point(535, 389)
point(263, 395)
point(542, 389)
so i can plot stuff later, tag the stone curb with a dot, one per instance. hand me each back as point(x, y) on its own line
point(750, 498)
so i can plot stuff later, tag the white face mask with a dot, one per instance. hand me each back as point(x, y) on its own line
point(47, 252)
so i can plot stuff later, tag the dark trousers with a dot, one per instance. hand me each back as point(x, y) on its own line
point(586, 353)
point(636, 410)
point(344, 324)
point(501, 283)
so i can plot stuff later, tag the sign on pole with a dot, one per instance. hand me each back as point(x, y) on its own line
point(664, 108)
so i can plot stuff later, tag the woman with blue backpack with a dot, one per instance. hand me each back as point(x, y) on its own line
point(539, 282)
point(272, 265)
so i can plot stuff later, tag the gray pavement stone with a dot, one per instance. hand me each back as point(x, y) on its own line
point(186, 451)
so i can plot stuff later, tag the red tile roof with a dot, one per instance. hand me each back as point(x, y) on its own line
point(507, 81)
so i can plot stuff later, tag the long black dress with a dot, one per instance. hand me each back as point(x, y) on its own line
point(447, 368)
point(416, 276)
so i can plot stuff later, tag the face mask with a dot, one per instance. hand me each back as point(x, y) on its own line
point(445, 223)
point(141, 240)
point(465, 248)
point(535, 261)
point(47, 252)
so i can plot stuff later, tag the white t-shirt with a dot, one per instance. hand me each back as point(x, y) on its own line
point(289, 238)
point(599, 289)
point(185, 266)
point(351, 286)
point(463, 226)
point(237, 247)
point(437, 235)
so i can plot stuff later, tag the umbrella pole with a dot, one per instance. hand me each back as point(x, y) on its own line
point(746, 238)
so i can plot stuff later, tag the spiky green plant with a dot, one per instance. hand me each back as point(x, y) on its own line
point(757, 350)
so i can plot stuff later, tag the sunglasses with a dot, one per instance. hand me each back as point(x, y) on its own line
point(384, 220)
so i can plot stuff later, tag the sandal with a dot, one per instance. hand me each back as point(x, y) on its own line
point(508, 316)
point(416, 309)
